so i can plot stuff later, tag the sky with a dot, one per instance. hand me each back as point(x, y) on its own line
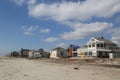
point(35, 24)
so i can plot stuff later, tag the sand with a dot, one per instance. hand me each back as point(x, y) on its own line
point(24, 69)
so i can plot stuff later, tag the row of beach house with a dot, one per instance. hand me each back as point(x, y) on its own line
point(94, 48)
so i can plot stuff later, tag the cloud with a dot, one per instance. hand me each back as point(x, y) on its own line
point(81, 30)
point(117, 19)
point(66, 11)
point(73, 14)
point(51, 39)
point(29, 30)
point(21, 2)
point(45, 30)
point(115, 35)
point(61, 45)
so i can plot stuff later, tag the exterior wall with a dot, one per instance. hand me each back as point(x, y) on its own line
point(37, 55)
point(24, 53)
point(94, 53)
point(53, 54)
point(85, 52)
point(114, 55)
point(65, 55)
point(62, 53)
point(92, 47)
point(96, 48)
point(74, 53)
point(99, 48)
point(72, 50)
point(31, 54)
point(81, 52)
point(15, 54)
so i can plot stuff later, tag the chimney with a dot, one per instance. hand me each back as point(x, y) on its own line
point(70, 50)
point(102, 37)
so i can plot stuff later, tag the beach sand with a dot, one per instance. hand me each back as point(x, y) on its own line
point(24, 69)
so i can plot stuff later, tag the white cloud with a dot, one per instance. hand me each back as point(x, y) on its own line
point(61, 45)
point(45, 30)
point(21, 2)
point(75, 10)
point(29, 30)
point(115, 35)
point(82, 30)
point(31, 2)
point(51, 39)
point(117, 20)
point(64, 12)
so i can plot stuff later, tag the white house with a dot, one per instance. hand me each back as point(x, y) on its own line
point(97, 47)
point(59, 53)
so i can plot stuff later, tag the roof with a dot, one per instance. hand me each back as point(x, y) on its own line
point(105, 40)
point(25, 49)
point(75, 46)
point(58, 48)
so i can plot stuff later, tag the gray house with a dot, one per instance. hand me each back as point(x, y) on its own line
point(41, 54)
point(24, 53)
point(59, 53)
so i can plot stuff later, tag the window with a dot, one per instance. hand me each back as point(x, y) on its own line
point(74, 49)
point(89, 45)
point(90, 53)
point(92, 39)
point(86, 53)
point(74, 54)
point(102, 45)
point(98, 45)
point(93, 45)
point(62, 53)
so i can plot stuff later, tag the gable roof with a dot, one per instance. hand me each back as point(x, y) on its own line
point(24, 49)
point(58, 48)
point(105, 40)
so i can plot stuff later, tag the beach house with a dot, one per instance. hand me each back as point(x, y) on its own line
point(98, 47)
point(41, 53)
point(24, 52)
point(59, 53)
point(72, 50)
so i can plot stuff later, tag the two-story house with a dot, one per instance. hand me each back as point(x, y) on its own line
point(97, 47)
point(58, 53)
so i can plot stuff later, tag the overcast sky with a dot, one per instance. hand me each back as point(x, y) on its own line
point(47, 24)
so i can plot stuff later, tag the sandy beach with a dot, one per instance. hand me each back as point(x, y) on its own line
point(24, 69)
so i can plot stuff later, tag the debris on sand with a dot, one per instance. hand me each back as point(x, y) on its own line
point(76, 68)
